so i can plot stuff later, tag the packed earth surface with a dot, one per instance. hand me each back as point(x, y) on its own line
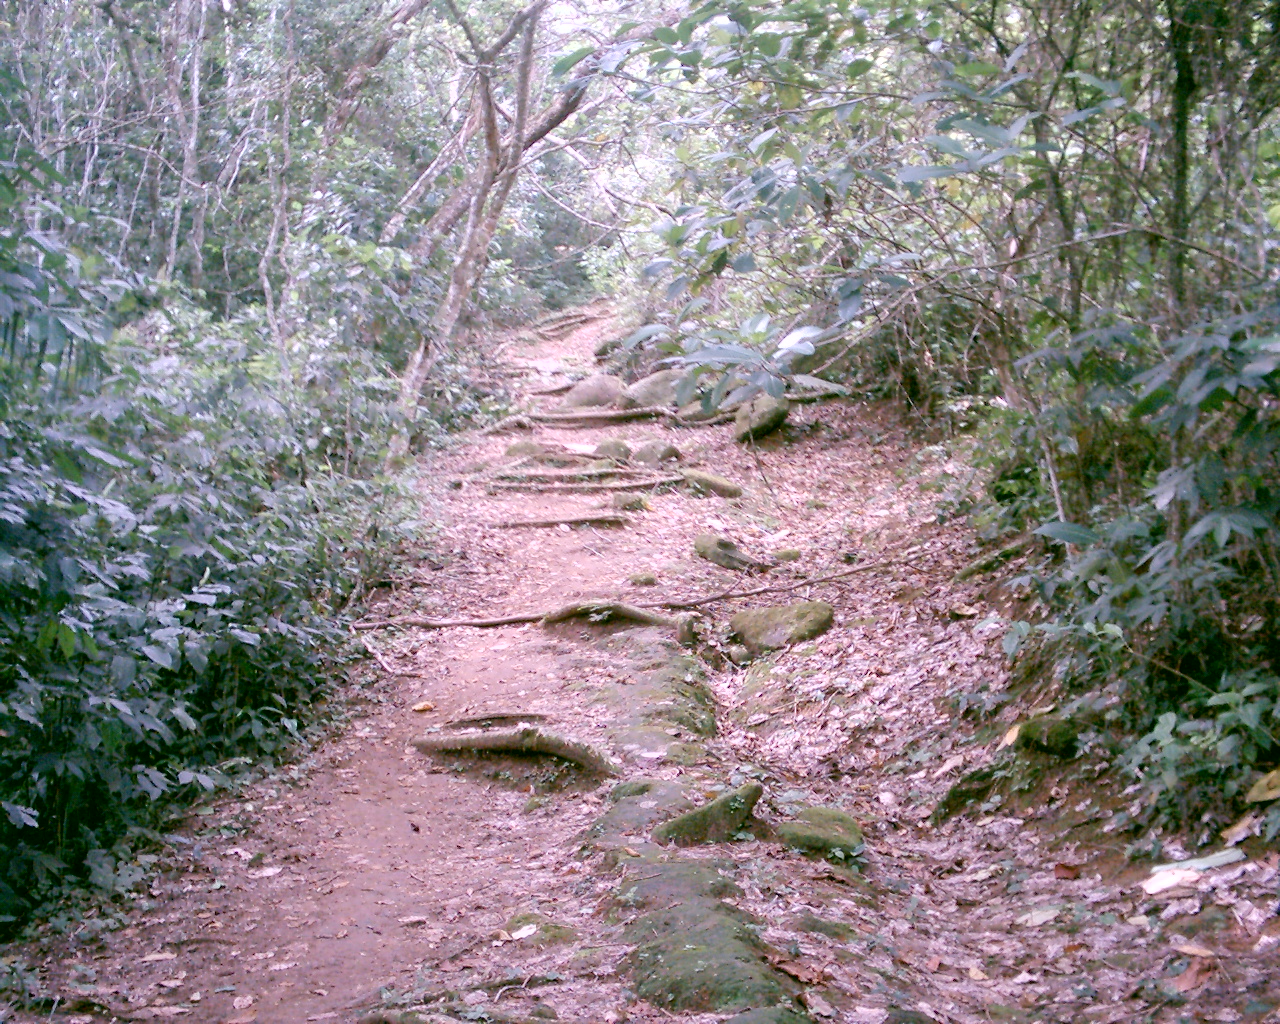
point(832, 819)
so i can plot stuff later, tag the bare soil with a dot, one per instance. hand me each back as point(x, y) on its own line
point(373, 875)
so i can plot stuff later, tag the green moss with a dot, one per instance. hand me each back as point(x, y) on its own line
point(768, 629)
point(549, 933)
point(713, 822)
point(824, 831)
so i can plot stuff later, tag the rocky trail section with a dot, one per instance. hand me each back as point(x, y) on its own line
point(784, 796)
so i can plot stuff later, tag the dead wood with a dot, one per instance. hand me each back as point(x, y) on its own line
point(525, 740)
point(586, 488)
point(595, 413)
point(604, 519)
point(552, 475)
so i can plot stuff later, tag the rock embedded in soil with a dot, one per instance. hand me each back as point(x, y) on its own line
point(714, 822)
point(725, 553)
point(629, 501)
point(613, 448)
point(762, 415)
point(599, 390)
point(825, 831)
point(655, 453)
point(769, 629)
point(1049, 734)
point(711, 483)
point(657, 389)
point(770, 1015)
point(547, 933)
point(643, 579)
point(788, 555)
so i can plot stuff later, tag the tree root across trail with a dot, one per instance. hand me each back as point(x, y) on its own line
point(524, 740)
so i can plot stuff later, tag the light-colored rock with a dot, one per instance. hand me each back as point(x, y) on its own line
point(657, 389)
point(602, 389)
point(711, 483)
point(724, 552)
point(629, 501)
point(762, 415)
point(655, 453)
point(613, 448)
point(768, 629)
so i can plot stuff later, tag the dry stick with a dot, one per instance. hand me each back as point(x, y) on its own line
point(625, 485)
point(599, 520)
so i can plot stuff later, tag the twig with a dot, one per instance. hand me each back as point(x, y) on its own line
point(725, 595)
point(383, 664)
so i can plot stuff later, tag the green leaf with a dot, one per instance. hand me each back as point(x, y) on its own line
point(571, 60)
point(1068, 533)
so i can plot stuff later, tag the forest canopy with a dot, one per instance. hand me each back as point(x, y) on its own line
point(249, 249)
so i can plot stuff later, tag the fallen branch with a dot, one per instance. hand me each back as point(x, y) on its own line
point(604, 519)
point(603, 413)
point(526, 740)
point(552, 475)
point(586, 488)
point(776, 588)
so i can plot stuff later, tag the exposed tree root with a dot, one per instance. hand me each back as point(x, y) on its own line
point(586, 488)
point(778, 588)
point(553, 475)
point(524, 740)
point(599, 610)
point(604, 519)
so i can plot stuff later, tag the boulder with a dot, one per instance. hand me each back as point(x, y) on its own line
point(725, 553)
point(526, 449)
point(714, 822)
point(657, 389)
point(643, 579)
point(613, 448)
point(711, 483)
point(1049, 734)
point(768, 629)
point(655, 453)
point(629, 501)
point(762, 415)
point(602, 389)
point(824, 831)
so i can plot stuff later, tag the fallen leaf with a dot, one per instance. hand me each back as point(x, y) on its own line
point(1010, 737)
point(1169, 879)
point(270, 872)
point(1035, 918)
point(964, 611)
point(524, 931)
point(1066, 872)
point(1196, 974)
point(424, 705)
point(242, 1002)
point(171, 983)
point(283, 967)
point(1241, 830)
point(977, 974)
point(1266, 788)
point(1191, 949)
point(155, 958)
point(954, 761)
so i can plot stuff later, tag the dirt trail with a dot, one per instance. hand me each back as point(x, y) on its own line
point(373, 874)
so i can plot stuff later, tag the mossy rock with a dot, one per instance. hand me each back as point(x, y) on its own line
point(725, 553)
point(632, 787)
point(824, 831)
point(526, 449)
point(968, 789)
point(636, 812)
point(807, 922)
point(643, 579)
point(657, 389)
point(711, 484)
point(701, 955)
point(788, 555)
point(762, 415)
point(1049, 734)
point(713, 822)
point(769, 1015)
point(629, 501)
point(768, 629)
point(686, 754)
point(613, 448)
point(655, 453)
point(548, 934)
point(593, 392)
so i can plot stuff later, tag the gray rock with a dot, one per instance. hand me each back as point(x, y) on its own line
point(613, 448)
point(657, 389)
point(655, 453)
point(725, 553)
point(768, 629)
point(711, 483)
point(762, 415)
point(601, 389)
point(629, 501)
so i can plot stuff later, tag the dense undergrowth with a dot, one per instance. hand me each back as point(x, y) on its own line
point(185, 525)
